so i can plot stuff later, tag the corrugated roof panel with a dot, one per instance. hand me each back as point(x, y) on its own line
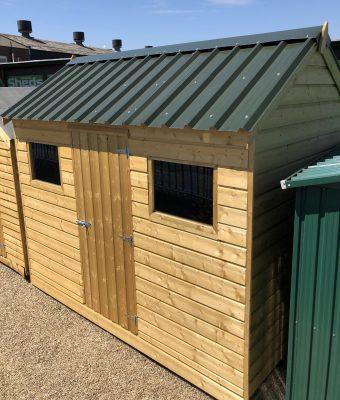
point(324, 171)
point(204, 88)
point(73, 107)
point(265, 86)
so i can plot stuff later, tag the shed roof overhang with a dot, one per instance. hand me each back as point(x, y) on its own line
point(325, 171)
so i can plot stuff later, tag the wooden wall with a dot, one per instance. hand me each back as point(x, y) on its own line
point(50, 215)
point(13, 255)
point(305, 122)
point(190, 278)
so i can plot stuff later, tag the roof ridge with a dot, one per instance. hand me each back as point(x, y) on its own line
point(246, 40)
point(23, 41)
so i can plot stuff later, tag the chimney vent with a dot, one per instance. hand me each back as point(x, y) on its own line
point(148, 47)
point(25, 27)
point(79, 38)
point(117, 44)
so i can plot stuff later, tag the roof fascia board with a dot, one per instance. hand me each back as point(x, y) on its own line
point(333, 65)
point(328, 55)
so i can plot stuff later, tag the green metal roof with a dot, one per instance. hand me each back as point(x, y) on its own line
point(326, 170)
point(224, 84)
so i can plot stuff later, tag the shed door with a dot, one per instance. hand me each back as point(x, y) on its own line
point(103, 200)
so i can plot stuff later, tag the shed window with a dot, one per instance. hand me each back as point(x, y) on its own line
point(45, 163)
point(184, 190)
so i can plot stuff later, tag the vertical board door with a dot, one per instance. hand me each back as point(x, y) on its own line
point(102, 182)
point(313, 369)
point(2, 241)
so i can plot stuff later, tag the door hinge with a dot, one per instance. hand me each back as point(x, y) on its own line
point(128, 239)
point(83, 224)
point(124, 151)
point(133, 318)
point(2, 246)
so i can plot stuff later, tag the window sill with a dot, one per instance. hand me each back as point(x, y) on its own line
point(183, 224)
point(51, 187)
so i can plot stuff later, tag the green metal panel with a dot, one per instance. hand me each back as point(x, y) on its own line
point(225, 84)
point(325, 171)
point(314, 334)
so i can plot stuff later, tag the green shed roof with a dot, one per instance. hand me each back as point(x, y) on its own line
point(326, 170)
point(224, 84)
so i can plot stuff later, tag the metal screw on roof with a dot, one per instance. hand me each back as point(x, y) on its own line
point(243, 77)
point(166, 113)
point(195, 81)
point(211, 116)
point(129, 112)
point(278, 74)
point(333, 335)
point(246, 117)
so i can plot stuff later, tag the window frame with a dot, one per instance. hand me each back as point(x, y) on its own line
point(186, 224)
point(38, 183)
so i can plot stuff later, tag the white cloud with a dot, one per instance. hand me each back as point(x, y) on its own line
point(231, 2)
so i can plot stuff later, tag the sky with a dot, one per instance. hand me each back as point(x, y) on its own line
point(161, 22)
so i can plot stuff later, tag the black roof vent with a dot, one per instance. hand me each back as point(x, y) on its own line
point(117, 44)
point(148, 47)
point(25, 27)
point(79, 38)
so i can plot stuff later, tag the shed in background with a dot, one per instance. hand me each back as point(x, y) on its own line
point(314, 329)
point(12, 232)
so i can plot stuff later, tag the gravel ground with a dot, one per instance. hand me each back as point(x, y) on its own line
point(49, 352)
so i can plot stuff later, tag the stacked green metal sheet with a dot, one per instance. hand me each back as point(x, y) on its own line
point(223, 84)
point(326, 170)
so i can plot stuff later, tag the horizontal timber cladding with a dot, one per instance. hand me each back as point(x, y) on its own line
point(305, 122)
point(12, 246)
point(191, 277)
point(50, 215)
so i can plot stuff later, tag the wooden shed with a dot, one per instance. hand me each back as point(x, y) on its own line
point(12, 234)
point(150, 185)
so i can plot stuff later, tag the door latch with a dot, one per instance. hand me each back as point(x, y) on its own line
point(83, 224)
point(128, 239)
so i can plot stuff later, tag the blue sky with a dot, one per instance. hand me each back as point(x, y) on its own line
point(157, 22)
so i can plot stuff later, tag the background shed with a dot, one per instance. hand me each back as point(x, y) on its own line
point(314, 343)
point(12, 235)
point(209, 300)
